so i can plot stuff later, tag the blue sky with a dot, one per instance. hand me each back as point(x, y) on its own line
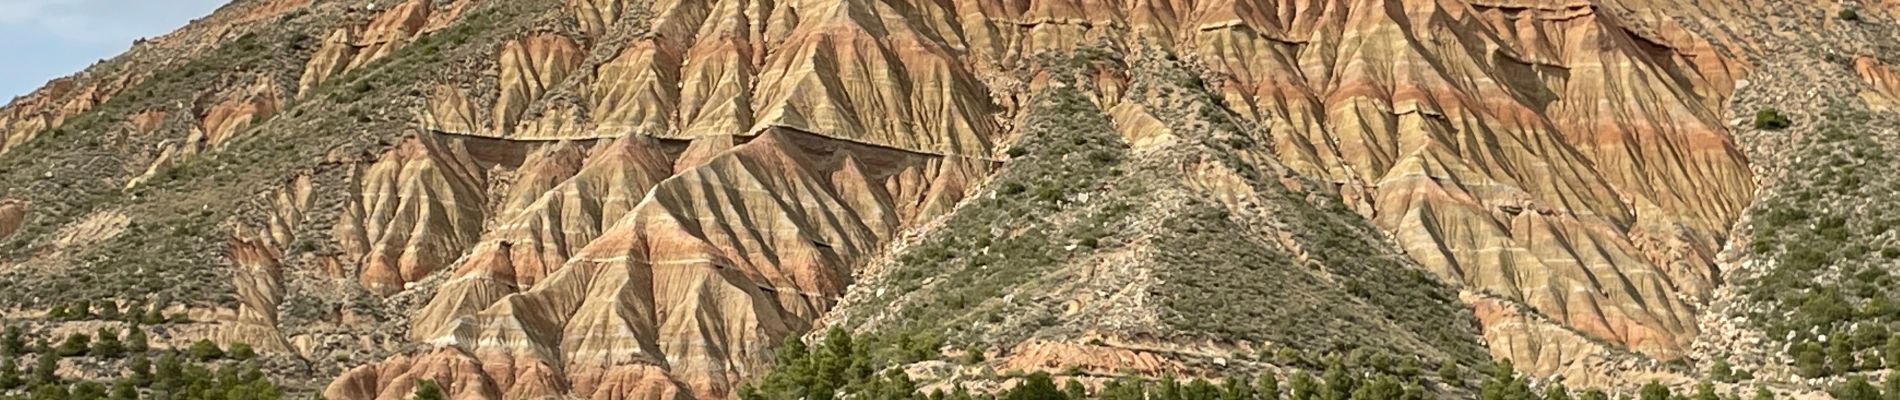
point(45, 39)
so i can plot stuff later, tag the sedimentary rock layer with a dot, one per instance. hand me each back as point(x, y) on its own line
point(671, 283)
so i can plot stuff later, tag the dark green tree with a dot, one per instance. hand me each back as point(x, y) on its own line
point(1762, 393)
point(1336, 383)
point(124, 390)
point(89, 390)
point(241, 351)
point(1809, 359)
point(1232, 388)
point(205, 350)
point(1267, 386)
point(139, 370)
point(1304, 387)
point(1720, 371)
point(46, 369)
point(1556, 391)
point(1200, 389)
point(136, 341)
point(1856, 388)
point(1073, 389)
point(1382, 388)
point(10, 375)
point(12, 343)
point(1891, 386)
point(108, 345)
point(1036, 386)
point(75, 345)
point(1504, 384)
point(1448, 373)
point(427, 390)
point(1654, 391)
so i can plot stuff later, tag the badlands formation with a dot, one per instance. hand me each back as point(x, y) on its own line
point(617, 199)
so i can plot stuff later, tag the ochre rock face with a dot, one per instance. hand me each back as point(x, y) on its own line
point(1883, 83)
point(620, 277)
point(693, 197)
point(259, 279)
point(12, 217)
point(413, 212)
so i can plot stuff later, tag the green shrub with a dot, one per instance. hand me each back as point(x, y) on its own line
point(205, 350)
point(1772, 120)
point(1849, 14)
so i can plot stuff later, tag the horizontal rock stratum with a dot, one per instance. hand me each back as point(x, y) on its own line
point(616, 199)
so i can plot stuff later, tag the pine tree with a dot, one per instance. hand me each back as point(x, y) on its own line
point(1036, 386)
point(46, 369)
point(139, 369)
point(1336, 383)
point(108, 345)
point(1381, 388)
point(1556, 391)
point(241, 351)
point(10, 375)
point(205, 350)
point(1594, 394)
point(1233, 389)
point(427, 390)
point(124, 390)
point(1856, 388)
point(1892, 386)
point(1304, 388)
point(136, 341)
point(1201, 389)
point(1267, 386)
point(1762, 393)
point(1720, 371)
point(1809, 359)
point(1448, 373)
point(1073, 389)
point(1892, 352)
point(75, 345)
point(1654, 391)
point(89, 390)
point(12, 344)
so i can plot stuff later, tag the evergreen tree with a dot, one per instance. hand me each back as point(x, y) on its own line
point(1448, 373)
point(427, 390)
point(1233, 389)
point(1809, 360)
point(12, 343)
point(1654, 391)
point(1556, 391)
point(1200, 389)
point(1381, 388)
point(1504, 384)
point(205, 350)
point(1304, 388)
point(1856, 388)
point(75, 345)
point(10, 375)
point(46, 369)
point(1720, 371)
point(108, 345)
point(1268, 386)
point(139, 370)
point(109, 311)
point(1036, 386)
point(89, 390)
point(1123, 389)
point(1840, 357)
point(1073, 389)
point(136, 341)
point(124, 390)
point(1762, 393)
point(1892, 352)
point(1337, 384)
point(241, 351)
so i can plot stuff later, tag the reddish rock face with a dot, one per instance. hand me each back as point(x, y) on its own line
point(12, 216)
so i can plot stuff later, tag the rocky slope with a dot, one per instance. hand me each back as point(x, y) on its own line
point(612, 199)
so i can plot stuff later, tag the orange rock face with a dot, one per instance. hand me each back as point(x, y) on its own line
point(1883, 83)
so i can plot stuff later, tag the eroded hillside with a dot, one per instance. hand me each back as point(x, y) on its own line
point(619, 198)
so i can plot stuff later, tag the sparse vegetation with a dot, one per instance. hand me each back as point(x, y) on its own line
point(1831, 274)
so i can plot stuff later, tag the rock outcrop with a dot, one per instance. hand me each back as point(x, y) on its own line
point(413, 212)
point(12, 217)
point(352, 47)
point(1883, 83)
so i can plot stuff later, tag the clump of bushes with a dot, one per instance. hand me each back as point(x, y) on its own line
point(1771, 119)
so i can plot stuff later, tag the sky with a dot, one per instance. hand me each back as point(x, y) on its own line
point(45, 39)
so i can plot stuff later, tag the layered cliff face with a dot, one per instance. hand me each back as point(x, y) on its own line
point(617, 198)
